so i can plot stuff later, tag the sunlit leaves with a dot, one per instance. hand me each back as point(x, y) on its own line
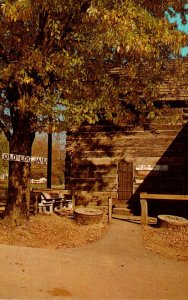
point(132, 28)
point(17, 10)
point(57, 59)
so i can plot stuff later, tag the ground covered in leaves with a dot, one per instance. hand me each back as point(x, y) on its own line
point(51, 231)
point(57, 231)
point(169, 242)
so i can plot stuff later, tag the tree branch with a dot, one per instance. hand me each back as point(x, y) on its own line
point(43, 18)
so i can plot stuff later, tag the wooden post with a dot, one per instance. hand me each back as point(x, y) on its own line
point(144, 211)
point(35, 204)
point(109, 209)
point(49, 165)
point(73, 201)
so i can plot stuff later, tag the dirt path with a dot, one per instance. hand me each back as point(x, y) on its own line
point(115, 267)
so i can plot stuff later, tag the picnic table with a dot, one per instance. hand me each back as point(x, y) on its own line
point(51, 199)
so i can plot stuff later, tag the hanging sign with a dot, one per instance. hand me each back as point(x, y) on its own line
point(24, 158)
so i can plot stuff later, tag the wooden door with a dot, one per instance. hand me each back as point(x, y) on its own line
point(125, 181)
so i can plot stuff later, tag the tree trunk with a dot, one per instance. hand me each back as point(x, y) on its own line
point(17, 207)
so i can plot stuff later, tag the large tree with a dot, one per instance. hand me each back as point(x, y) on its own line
point(56, 61)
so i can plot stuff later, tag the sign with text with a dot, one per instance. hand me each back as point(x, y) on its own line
point(24, 158)
point(152, 167)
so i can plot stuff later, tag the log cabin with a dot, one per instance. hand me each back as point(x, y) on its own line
point(104, 161)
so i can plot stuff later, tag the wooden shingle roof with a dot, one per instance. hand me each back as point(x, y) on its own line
point(169, 90)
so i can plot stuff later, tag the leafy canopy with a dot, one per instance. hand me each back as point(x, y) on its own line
point(61, 60)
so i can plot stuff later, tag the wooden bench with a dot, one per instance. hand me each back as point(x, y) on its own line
point(144, 198)
point(52, 198)
point(43, 205)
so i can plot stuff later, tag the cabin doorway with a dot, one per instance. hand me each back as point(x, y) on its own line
point(125, 181)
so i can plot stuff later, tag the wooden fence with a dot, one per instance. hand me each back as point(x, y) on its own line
point(144, 198)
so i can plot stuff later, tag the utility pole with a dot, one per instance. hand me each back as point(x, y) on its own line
point(49, 165)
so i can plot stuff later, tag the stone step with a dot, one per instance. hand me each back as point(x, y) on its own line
point(122, 211)
point(134, 219)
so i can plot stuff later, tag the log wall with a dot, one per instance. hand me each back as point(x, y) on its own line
point(159, 158)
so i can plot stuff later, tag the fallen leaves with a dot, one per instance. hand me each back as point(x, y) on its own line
point(52, 231)
point(170, 242)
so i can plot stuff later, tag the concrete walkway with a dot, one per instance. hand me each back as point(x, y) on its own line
point(115, 267)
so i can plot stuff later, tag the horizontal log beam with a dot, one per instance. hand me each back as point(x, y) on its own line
point(163, 197)
point(52, 191)
point(144, 197)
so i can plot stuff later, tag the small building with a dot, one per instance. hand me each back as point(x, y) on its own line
point(112, 161)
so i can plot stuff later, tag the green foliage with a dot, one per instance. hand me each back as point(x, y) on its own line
point(60, 54)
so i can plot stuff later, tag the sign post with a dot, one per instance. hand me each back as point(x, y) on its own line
point(49, 165)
